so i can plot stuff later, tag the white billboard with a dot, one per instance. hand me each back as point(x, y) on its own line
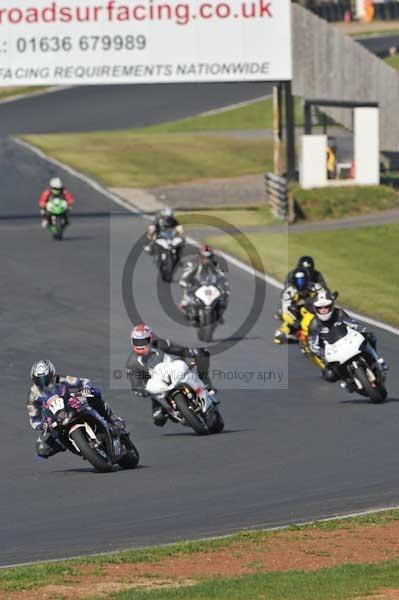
point(143, 41)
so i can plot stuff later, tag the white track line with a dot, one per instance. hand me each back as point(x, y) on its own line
point(231, 259)
point(352, 515)
point(218, 111)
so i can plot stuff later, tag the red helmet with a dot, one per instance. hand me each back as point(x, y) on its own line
point(141, 337)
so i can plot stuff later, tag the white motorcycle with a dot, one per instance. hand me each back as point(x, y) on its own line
point(348, 353)
point(168, 248)
point(184, 396)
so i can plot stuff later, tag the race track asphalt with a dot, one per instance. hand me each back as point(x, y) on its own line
point(302, 451)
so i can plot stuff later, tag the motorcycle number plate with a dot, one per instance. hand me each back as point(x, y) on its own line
point(55, 404)
point(207, 293)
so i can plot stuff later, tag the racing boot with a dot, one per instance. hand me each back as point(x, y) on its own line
point(279, 337)
point(382, 364)
point(159, 414)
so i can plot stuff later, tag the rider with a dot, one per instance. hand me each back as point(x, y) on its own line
point(306, 262)
point(45, 383)
point(327, 315)
point(165, 220)
point(206, 261)
point(295, 295)
point(148, 351)
point(55, 189)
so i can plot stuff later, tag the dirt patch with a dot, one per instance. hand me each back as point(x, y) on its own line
point(304, 549)
point(383, 595)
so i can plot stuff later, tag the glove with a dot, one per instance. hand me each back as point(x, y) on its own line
point(42, 427)
point(141, 393)
point(87, 392)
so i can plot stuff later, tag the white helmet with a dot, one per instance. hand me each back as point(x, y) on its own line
point(324, 305)
point(56, 185)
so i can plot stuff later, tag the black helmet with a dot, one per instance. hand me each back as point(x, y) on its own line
point(301, 279)
point(306, 262)
point(43, 374)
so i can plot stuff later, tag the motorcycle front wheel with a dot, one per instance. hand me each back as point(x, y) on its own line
point(101, 464)
point(377, 392)
point(189, 415)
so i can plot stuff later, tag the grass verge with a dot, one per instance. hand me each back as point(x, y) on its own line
point(309, 547)
point(361, 263)
point(393, 61)
point(256, 115)
point(241, 217)
point(137, 159)
point(8, 92)
point(338, 583)
point(334, 203)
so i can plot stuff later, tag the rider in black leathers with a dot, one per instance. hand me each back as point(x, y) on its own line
point(194, 273)
point(46, 382)
point(148, 351)
point(306, 262)
point(164, 220)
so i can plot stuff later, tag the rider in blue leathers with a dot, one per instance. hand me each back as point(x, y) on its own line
point(46, 383)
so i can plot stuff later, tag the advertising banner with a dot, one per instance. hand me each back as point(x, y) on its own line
point(143, 41)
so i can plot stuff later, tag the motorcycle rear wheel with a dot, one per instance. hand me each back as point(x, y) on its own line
point(101, 464)
point(131, 459)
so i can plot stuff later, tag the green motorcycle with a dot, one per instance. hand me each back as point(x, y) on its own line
point(56, 209)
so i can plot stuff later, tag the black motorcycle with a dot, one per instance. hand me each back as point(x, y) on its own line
point(84, 432)
point(167, 250)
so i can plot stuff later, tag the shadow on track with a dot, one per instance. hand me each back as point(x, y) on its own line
point(92, 471)
point(193, 434)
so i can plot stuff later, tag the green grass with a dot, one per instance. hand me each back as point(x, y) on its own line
point(337, 583)
point(241, 217)
point(257, 115)
point(136, 159)
point(33, 576)
point(6, 92)
point(361, 263)
point(334, 203)
point(393, 61)
point(27, 578)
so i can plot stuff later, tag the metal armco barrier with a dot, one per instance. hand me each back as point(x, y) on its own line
point(277, 195)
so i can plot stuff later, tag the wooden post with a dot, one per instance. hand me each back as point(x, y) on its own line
point(277, 130)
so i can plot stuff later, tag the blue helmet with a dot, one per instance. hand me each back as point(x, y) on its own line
point(301, 279)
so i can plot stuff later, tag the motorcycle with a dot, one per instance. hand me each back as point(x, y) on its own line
point(180, 391)
point(168, 248)
point(56, 209)
point(80, 429)
point(207, 303)
point(348, 355)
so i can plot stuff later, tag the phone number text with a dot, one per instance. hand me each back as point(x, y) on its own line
point(85, 43)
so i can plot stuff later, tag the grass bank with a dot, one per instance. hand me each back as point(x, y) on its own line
point(131, 158)
point(361, 263)
point(255, 115)
point(241, 217)
point(329, 560)
point(9, 92)
point(334, 203)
